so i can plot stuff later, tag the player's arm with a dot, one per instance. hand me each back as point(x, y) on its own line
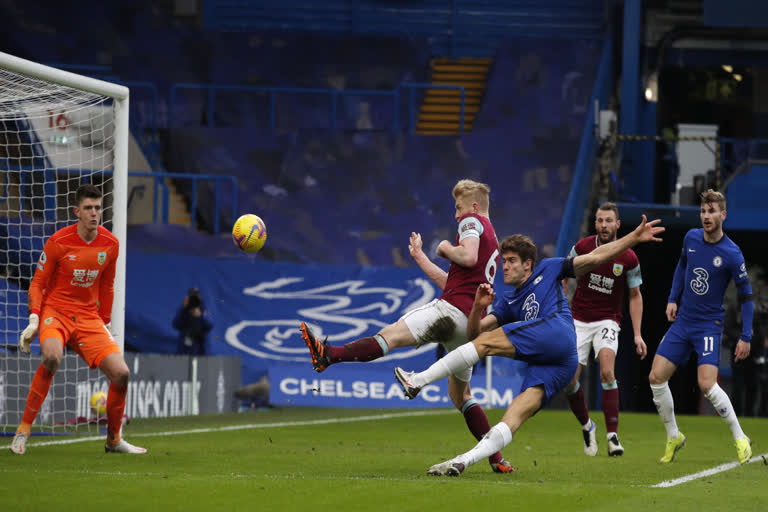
point(44, 272)
point(644, 232)
point(677, 284)
point(435, 273)
point(636, 314)
point(744, 293)
point(572, 254)
point(464, 254)
point(484, 297)
point(107, 287)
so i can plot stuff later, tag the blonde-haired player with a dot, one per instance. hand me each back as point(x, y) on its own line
point(474, 258)
point(72, 291)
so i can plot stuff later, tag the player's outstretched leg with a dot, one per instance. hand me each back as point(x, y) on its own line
point(317, 349)
point(404, 378)
point(497, 438)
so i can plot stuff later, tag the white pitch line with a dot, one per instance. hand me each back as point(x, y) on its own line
point(228, 428)
point(708, 472)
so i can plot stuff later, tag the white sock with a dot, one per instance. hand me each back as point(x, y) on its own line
point(662, 397)
point(497, 438)
point(460, 359)
point(723, 406)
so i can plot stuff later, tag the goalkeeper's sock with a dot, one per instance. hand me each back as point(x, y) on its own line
point(115, 409)
point(477, 422)
point(38, 390)
point(364, 349)
point(722, 405)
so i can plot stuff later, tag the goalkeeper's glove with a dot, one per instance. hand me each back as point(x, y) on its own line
point(28, 334)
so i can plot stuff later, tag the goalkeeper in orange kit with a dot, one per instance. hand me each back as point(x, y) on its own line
point(72, 292)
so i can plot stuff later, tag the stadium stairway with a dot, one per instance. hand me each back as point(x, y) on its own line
point(440, 112)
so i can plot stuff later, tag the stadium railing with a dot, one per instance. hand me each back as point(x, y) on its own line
point(334, 94)
point(585, 161)
point(160, 209)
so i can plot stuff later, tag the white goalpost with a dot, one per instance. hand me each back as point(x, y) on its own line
point(58, 130)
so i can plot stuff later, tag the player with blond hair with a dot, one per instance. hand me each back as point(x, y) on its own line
point(532, 323)
point(708, 262)
point(72, 291)
point(474, 259)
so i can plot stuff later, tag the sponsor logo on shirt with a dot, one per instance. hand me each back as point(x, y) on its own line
point(618, 268)
point(600, 283)
point(83, 278)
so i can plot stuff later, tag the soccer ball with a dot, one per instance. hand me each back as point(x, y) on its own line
point(99, 403)
point(249, 233)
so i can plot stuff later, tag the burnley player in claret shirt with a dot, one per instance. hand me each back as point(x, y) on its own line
point(708, 262)
point(474, 257)
point(596, 307)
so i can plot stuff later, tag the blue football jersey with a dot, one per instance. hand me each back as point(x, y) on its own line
point(702, 276)
point(540, 296)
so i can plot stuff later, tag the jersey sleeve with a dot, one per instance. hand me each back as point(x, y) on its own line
point(107, 286)
point(566, 267)
point(634, 276)
point(46, 269)
point(677, 280)
point(740, 278)
point(470, 226)
point(500, 309)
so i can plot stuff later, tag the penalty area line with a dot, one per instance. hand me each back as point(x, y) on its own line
point(227, 428)
point(708, 472)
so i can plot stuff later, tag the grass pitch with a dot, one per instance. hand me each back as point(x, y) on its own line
point(331, 459)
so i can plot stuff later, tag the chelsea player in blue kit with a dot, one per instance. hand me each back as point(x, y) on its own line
point(533, 323)
point(708, 262)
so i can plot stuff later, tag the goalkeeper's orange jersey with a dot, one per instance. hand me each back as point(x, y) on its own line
point(73, 275)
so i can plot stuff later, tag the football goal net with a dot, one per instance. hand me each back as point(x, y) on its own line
point(58, 130)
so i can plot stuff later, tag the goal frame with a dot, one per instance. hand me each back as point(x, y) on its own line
point(120, 97)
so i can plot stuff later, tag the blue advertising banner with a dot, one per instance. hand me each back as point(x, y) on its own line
point(356, 386)
point(256, 307)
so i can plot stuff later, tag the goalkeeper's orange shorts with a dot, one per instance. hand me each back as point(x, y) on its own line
point(84, 332)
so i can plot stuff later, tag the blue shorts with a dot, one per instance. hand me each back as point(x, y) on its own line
point(548, 345)
point(682, 338)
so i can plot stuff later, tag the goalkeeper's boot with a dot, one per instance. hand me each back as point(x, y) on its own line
point(502, 467)
point(404, 378)
point(448, 468)
point(614, 446)
point(744, 449)
point(317, 350)
point(19, 444)
point(590, 441)
point(673, 446)
point(123, 446)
